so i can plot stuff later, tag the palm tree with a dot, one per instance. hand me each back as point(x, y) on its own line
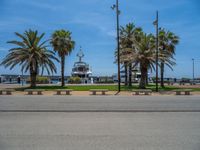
point(167, 45)
point(144, 55)
point(63, 44)
point(30, 54)
point(127, 33)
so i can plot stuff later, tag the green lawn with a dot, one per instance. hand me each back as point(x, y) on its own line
point(75, 87)
point(109, 87)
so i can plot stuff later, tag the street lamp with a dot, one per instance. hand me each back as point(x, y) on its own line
point(116, 7)
point(193, 69)
point(156, 25)
point(22, 78)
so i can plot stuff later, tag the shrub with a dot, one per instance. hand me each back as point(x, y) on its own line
point(74, 80)
point(40, 80)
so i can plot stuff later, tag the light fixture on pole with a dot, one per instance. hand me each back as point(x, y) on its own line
point(156, 25)
point(116, 7)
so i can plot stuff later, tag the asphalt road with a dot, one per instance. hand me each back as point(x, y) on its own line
point(100, 103)
point(99, 123)
point(99, 131)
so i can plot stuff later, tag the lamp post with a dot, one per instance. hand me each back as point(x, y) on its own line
point(22, 78)
point(116, 7)
point(156, 25)
point(193, 69)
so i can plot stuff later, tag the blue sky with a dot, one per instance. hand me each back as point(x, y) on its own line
point(92, 23)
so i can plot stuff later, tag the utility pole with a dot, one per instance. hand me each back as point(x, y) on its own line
point(116, 7)
point(193, 69)
point(156, 25)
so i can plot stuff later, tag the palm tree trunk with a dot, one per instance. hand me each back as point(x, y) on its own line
point(126, 74)
point(143, 77)
point(33, 75)
point(147, 82)
point(130, 75)
point(162, 75)
point(63, 71)
point(33, 80)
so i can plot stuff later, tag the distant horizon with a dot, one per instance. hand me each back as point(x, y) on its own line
point(93, 27)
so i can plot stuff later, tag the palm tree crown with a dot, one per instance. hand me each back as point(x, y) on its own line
point(30, 54)
point(62, 42)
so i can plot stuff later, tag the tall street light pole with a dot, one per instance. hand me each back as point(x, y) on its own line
point(156, 25)
point(22, 78)
point(116, 7)
point(193, 69)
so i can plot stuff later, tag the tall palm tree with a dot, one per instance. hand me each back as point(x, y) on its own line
point(31, 54)
point(63, 44)
point(127, 33)
point(167, 46)
point(144, 55)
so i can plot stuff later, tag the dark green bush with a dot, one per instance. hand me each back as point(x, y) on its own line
point(40, 80)
point(74, 80)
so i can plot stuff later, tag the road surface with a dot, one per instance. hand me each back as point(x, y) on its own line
point(99, 123)
point(100, 103)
